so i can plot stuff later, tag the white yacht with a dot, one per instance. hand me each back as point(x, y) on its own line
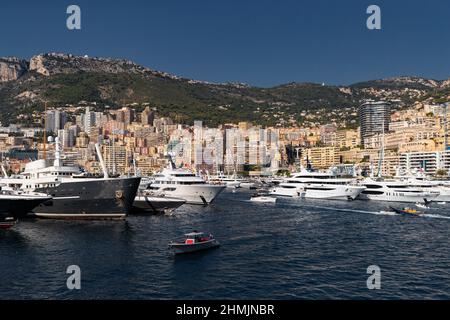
point(395, 191)
point(424, 183)
point(318, 185)
point(184, 184)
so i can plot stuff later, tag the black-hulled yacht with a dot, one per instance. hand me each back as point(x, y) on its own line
point(75, 196)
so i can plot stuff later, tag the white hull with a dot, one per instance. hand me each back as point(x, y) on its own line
point(233, 184)
point(444, 194)
point(338, 192)
point(332, 192)
point(248, 185)
point(285, 192)
point(399, 197)
point(263, 199)
point(397, 191)
point(193, 194)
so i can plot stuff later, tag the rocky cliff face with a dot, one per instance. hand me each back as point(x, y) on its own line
point(57, 63)
point(11, 69)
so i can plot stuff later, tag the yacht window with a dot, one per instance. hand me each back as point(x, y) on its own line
point(372, 192)
point(373, 186)
point(183, 175)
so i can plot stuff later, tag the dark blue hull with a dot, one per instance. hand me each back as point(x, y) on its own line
point(90, 199)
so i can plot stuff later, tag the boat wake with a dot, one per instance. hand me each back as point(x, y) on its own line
point(436, 216)
point(352, 210)
point(386, 213)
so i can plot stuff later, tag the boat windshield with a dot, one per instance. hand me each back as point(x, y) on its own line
point(197, 237)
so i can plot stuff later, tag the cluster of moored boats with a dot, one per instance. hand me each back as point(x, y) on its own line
point(326, 185)
point(58, 191)
point(67, 192)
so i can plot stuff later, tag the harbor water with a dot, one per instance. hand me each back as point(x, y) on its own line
point(294, 249)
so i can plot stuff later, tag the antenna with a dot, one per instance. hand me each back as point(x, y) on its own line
point(114, 153)
point(381, 157)
point(45, 130)
point(445, 127)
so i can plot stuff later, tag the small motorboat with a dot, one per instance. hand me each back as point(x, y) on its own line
point(407, 211)
point(7, 223)
point(257, 197)
point(443, 202)
point(421, 205)
point(194, 241)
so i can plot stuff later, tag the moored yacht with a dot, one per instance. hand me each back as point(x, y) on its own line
point(184, 184)
point(395, 191)
point(318, 185)
point(75, 196)
point(418, 180)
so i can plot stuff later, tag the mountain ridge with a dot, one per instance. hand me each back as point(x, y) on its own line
point(64, 79)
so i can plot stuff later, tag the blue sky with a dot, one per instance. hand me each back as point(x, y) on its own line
point(260, 42)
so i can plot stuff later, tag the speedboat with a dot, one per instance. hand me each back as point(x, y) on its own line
point(7, 222)
point(149, 202)
point(194, 241)
point(260, 197)
point(421, 205)
point(407, 211)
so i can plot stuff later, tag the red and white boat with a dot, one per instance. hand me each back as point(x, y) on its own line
point(7, 223)
point(195, 241)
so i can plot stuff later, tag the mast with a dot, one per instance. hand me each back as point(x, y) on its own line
point(102, 162)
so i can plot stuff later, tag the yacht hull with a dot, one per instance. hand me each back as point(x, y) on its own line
point(193, 194)
point(19, 207)
point(320, 192)
point(89, 199)
point(399, 197)
point(444, 194)
point(338, 193)
point(285, 192)
point(153, 204)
